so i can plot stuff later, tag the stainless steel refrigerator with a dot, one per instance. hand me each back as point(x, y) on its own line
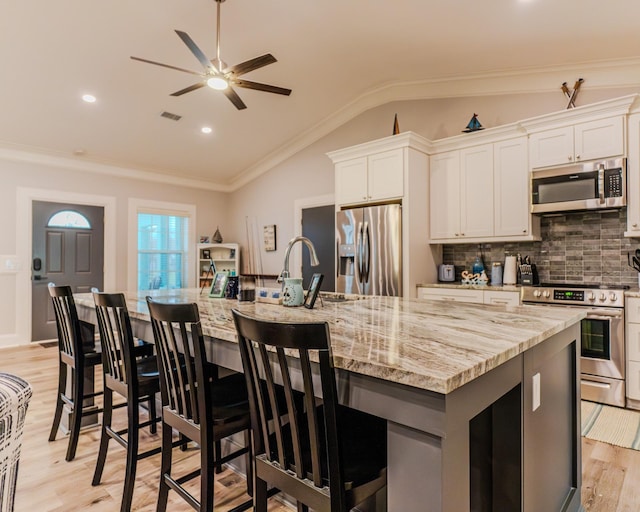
point(369, 250)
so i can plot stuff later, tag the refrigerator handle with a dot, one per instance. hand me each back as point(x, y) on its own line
point(366, 260)
point(359, 269)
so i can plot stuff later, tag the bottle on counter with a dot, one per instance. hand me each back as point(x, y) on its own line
point(478, 265)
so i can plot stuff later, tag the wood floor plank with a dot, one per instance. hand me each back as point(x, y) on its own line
point(46, 483)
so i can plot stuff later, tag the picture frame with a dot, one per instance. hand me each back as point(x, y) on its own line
point(269, 234)
point(219, 285)
point(204, 239)
point(314, 289)
point(206, 254)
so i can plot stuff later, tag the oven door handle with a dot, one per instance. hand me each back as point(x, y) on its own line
point(603, 317)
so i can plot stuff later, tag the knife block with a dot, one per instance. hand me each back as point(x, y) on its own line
point(529, 274)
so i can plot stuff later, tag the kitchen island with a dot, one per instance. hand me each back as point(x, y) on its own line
point(481, 402)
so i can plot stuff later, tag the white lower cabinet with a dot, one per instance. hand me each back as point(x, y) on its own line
point(632, 311)
point(473, 295)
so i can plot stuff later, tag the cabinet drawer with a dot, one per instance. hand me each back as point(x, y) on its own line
point(501, 298)
point(633, 342)
point(632, 310)
point(633, 380)
point(464, 295)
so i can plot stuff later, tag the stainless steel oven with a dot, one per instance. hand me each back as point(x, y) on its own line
point(602, 361)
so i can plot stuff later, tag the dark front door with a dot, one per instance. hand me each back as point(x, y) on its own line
point(319, 226)
point(68, 249)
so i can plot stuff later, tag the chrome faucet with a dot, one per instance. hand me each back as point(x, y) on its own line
point(312, 251)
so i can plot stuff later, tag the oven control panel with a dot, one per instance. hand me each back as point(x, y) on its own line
point(568, 295)
point(573, 296)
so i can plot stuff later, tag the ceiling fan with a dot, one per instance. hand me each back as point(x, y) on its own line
point(217, 75)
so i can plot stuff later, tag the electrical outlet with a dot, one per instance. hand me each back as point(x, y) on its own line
point(536, 391)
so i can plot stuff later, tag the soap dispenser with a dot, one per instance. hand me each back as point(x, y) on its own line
point(478, 265)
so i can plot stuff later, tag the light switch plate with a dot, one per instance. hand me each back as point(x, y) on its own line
point(536, 391)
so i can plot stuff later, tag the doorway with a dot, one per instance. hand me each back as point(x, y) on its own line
point(318, 225)
point(67, 249)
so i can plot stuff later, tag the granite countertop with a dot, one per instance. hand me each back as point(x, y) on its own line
point(459, 285)
point(432, 345)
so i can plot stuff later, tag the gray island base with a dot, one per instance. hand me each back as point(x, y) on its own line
point(481, 402)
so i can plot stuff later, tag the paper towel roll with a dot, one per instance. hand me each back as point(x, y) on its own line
point(509, 274)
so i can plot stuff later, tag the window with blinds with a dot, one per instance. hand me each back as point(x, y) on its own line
point(162, 251)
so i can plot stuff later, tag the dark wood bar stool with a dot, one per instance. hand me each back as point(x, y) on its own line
point(77, 352)
point(195, 402)
point(133, 376)
point(326, 456)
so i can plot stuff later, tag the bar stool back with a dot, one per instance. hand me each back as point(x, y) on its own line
point(328, 457)
point(195, 403)
point(131, 373)
point(77, 351)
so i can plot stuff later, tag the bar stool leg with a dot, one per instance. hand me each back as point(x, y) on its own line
point(165, 467)
point(133, 413)
point(57, 416)
point(104, 436)
point(76, 415)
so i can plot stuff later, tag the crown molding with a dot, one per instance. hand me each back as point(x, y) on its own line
point(39, 157)
point(600, 74)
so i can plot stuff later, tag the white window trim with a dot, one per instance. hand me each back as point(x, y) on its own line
point(137, 205)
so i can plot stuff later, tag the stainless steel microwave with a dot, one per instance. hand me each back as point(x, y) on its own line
point(585, 186)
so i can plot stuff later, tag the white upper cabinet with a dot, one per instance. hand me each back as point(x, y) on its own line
point(476, 191)
point(351, 181)
point(444, 200)
point(376, 177)
point(592, 140)
point(481, 193)
point(511, 188)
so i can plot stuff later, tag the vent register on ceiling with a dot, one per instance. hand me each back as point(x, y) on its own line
point(217, 74)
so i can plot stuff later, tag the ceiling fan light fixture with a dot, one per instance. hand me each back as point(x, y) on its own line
point(218, 83)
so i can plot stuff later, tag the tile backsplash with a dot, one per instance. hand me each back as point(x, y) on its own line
point(583, 247)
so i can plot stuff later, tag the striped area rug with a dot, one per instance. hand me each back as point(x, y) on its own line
point(613, 425)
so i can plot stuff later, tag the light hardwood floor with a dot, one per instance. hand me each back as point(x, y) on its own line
point(46, 483)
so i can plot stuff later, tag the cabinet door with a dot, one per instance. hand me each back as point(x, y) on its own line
point(633, 380)
point(351, 181)
point(603, 138)
point(444, 191)
point(551, 147)
point(385, 175)
point(633, 177)
point(476, 191)
point(511, 188)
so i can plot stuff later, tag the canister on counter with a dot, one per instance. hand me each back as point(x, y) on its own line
point(496, 273)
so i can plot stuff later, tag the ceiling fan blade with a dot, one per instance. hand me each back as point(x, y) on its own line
point(262, 87)
point(166, 66)
point(189, 89)
point(250, 65)
point(196, 51)
point(234, 98)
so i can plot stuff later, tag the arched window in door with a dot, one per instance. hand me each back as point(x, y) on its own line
point(68, 219)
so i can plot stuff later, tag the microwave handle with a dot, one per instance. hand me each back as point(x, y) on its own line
point(601, 183)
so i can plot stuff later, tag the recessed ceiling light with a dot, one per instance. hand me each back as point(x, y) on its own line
point(89, 98)
point(205, 129)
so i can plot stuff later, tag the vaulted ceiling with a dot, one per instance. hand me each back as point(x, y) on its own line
point(338, 56)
